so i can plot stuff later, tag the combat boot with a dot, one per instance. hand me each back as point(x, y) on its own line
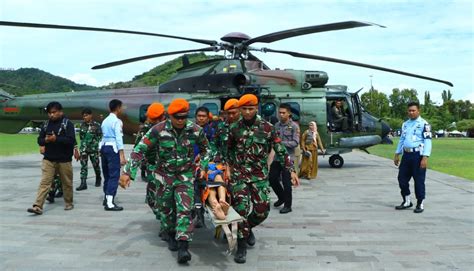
point(241, 254)
point(59, 194)
point(50, 197)
point(172, 243)
point(251, 239)
point(98, 180)
point(405, 204)
point(82, 186)
point(183, 254)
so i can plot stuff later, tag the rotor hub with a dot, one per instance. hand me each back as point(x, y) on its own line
point(235, 37)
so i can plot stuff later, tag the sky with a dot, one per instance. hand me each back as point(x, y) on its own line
point(431, 38)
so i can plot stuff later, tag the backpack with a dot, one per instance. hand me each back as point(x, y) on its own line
point(61, 128)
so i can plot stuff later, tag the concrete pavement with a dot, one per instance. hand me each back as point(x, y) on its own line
point(343, 220)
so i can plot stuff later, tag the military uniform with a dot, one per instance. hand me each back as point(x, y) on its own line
point(415, 142)
point(174, 171)
point(149, 165)
point(249, 185)
point(90, 135)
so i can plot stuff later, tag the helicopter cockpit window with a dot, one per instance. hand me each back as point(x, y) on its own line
point(142, 114)
point(213, 108)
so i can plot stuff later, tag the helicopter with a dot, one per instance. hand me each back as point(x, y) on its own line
point(210, 83)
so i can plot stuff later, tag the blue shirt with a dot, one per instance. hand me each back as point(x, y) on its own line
point(415, 134)
point(112, 132)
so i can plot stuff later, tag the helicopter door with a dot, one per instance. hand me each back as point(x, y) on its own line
point(295, 108)
point(356, 111)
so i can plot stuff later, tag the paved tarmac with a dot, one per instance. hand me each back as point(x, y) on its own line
point(343, 220)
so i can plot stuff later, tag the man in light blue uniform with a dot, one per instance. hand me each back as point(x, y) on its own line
point(415, 144)
point(111, 150)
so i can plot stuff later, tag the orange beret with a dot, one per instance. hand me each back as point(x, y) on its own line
point(248, 99)
point(155, 110)
point(178, 105)
point(210, 115)
point(231, 104)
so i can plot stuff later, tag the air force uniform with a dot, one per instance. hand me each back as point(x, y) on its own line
point(415, 142)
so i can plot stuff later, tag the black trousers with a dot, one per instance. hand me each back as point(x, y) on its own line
point(280, 181)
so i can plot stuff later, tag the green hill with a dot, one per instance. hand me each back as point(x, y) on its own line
point(34, 81)
point(25, 81)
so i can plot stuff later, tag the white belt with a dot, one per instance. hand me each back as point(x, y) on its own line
point(112, 144)
point(411, 149)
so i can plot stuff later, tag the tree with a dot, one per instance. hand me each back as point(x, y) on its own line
point(428, 107)
point(446, 96)
point(399, 101)
point(376, 103)
point(464, 125)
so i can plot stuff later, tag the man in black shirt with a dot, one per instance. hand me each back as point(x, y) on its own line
point(58, 139)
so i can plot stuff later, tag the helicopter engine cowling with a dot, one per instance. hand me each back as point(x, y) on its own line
point(317, 79)
point(359, 141)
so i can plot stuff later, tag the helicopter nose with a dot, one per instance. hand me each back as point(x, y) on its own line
point(385, 129)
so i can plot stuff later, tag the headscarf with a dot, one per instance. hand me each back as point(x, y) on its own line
point(313, 131)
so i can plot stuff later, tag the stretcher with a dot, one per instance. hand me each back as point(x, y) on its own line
point(229, 226)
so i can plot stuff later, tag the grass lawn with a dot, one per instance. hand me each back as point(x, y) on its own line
point(454, 156)
point(18, 144)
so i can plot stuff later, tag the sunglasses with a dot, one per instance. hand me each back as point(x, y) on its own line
point(180, 117)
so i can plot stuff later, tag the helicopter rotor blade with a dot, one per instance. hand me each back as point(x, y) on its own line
point(71, 27)
point(342, 61)
point(308, 30)
point(129, 60)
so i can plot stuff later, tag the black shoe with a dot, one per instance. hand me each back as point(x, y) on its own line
point(419, 207)
point(82, 186)
point(403, 206)
point(251, 239)
point(285, 210)
point(172, 243)
point(114, 208)
point(278, 203)
point(59, 194)
point(143, 175)
point(241, 254)
point(183, 254)
point(98, 180)
point(50, 197)
point(104, 202)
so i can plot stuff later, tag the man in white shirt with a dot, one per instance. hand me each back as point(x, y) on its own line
point(111, 150)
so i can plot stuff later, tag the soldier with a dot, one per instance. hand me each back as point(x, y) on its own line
point(251, 140)
point(415, 144)
point(154, 115)
point(219, 142)
point(174, 140)
point(90, 135)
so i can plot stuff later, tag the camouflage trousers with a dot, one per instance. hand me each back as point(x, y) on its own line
point(94, 156)
point(251, 200)
point(152, 187)
point(176, 201)
point(56, 185)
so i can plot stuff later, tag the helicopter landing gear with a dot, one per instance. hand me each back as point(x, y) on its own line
point(336, 161)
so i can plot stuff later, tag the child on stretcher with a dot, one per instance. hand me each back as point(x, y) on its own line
point(216, 192)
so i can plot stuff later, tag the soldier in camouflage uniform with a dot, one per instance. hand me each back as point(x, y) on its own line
point(174, 140)
point(219, 143)
point(251, 139)
point(90, 135)
point(154, 114)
